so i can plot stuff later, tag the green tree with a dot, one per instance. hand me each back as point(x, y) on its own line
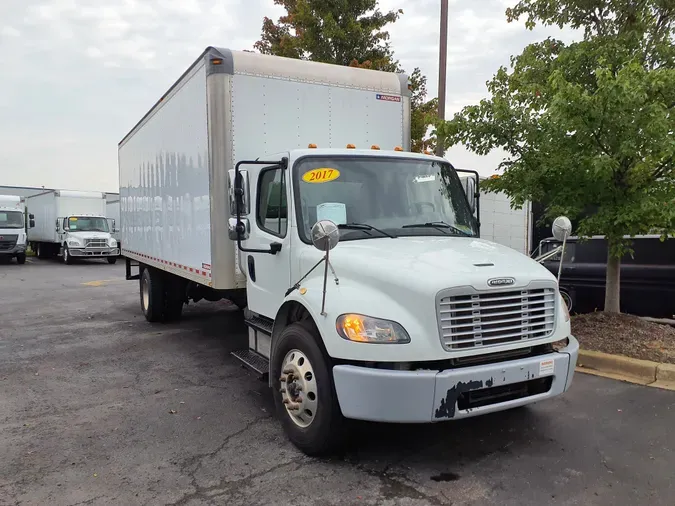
point(587, 127)
point(350, 33)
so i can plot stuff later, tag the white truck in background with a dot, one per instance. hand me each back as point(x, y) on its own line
point(71, 224)
point(13, 240)
point(240, 182)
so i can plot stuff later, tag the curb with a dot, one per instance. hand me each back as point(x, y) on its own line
point(632, 370)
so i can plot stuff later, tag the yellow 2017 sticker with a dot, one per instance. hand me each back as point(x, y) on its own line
point(322, 175)
point(73, 219)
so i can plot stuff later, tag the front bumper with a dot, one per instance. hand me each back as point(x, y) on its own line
point(430, 396)
point(17, 249)
point(93, 252)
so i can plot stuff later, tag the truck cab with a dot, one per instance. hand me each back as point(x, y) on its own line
point(13, 242)
point(86, 236)
point(412, 317)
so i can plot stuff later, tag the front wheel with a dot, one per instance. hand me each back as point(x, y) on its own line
point(304, 394)
point(67, 259)
point(21, 259)
point(112, 260)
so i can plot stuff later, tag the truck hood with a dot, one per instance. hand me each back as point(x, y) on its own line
point(89, 235)
point(427, 263)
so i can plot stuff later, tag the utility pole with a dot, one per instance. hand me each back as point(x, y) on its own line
point(442, 68)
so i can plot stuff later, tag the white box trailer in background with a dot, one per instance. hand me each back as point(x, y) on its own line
point(72, 224)
point(502, 224)
point(13, 241)
point(244, 175)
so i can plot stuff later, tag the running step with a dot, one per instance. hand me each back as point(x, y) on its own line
point(253, 361)
point(260, 324)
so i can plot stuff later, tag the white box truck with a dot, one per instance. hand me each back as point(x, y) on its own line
point(13, 237)
point(72, 224)
point(243, 176)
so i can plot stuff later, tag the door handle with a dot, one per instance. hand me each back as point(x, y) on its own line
point(251, 267)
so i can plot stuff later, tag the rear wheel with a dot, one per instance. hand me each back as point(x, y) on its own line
point(21, 259)
point(41, 251)
point(304, 394)
point(174, 297)
point(152, 295)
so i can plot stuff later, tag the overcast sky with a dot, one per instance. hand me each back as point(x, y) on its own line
point(78, 74)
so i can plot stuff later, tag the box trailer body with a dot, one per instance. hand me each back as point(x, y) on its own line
point(249, 164)
point(13, 226)
point(173, 187)
point(72, 224)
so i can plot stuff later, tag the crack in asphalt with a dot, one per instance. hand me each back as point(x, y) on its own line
point(196, 461)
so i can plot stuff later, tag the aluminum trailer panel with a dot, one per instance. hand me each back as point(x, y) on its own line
point(230, 106)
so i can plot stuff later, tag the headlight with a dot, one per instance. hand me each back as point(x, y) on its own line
point(365, 329)
point(21, 239)
point(566, 310)
point(72, 242)
point(113, 242)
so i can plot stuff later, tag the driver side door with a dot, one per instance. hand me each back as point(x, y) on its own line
point(268, 275)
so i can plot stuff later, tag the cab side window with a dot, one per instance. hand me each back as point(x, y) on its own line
point(271, 205)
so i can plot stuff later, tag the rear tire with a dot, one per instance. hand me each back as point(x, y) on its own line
point(322, 430)
point(41, 251)
point(152, 295)
point(112, 260)
point(174, 297)
point(21, 259)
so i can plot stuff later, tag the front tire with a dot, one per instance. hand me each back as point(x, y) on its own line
point(21, 259)
point(152, 295)
point(112, 260)
point(67, 259)
point(305, 400)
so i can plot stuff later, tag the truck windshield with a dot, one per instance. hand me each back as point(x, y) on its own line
point(369, 197)
point(87, 224)
point(11, 219)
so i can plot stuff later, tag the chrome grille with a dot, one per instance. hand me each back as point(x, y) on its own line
point(7, 242)
point(483, 319)
point(95, 243)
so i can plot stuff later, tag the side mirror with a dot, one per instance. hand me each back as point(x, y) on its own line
point(31, 216)
point(239, 190)
point(31, 223)
point(325, 235)
point(470, 190)
point(114, 228)
point(562, 228)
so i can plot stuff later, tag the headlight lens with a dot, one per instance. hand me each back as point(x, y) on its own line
point(365, 329)
point(72, 242)
point(113, 242)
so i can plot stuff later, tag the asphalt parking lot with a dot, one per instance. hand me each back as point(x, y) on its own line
point(99, 407)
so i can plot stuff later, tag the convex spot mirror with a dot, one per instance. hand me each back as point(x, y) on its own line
point(325, 235)
point(562, 228)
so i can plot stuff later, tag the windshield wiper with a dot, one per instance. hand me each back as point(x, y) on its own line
point(440, 225)
point(364, 226)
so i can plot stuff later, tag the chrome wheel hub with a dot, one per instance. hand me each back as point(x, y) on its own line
point(298, 388)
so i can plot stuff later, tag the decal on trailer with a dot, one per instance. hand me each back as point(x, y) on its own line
point(388, 98)
point(322, 175)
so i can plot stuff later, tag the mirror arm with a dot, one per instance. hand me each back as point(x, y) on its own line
point(275, 247)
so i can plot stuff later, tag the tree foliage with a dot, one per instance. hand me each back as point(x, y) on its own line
point(350, 33)
point(588, 127)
